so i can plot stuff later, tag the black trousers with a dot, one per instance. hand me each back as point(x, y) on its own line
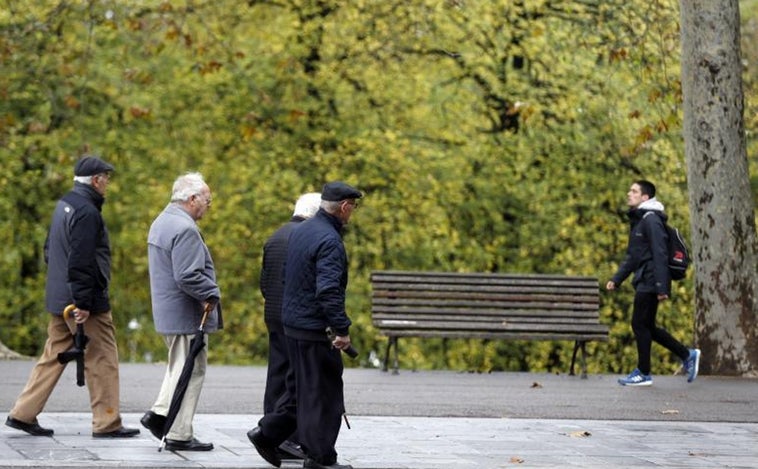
point(278, 364)
point(313, 403)
point(276, 374)
point(646, 332)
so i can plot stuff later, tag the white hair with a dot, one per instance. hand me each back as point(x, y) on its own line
point(186, 186)
point(331, 206)
point(83, 180)
point(307, 205)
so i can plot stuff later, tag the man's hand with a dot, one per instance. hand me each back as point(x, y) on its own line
point(209, 305)
point(341, 342)
point(611, 285)
point(81, 315)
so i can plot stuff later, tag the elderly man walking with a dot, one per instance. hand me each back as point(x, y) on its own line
point(78, 256)
point(182, 286)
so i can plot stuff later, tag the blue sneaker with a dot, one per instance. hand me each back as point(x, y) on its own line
point(692, 364)
point(636, 378)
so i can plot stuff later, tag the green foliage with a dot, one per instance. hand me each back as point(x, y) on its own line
point(488, 136)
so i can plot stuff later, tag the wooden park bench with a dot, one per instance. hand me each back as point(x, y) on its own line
point(486, 306)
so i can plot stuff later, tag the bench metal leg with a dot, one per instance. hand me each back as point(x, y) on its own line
point(396, 371)
point(392, 341)
point(577, 345)
point(387, 355)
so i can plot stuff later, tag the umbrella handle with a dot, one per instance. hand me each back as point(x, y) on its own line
point(206, 310)
point(67, 311)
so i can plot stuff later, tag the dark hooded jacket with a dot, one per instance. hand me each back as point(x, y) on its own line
point(315, 279)
point(78, 254)
point(647, 251)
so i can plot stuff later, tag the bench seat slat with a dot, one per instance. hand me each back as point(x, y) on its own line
point(381, 319)
point(599, 336)
point(491, 326)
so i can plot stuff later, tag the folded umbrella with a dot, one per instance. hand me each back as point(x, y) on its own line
point(77, 351)
point(196, 345)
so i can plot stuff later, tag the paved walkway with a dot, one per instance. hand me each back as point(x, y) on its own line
point(454, 420)
point(409, 442)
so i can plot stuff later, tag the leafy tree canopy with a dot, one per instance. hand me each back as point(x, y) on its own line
point(488, 136)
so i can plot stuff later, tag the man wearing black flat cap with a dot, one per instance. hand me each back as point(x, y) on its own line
point(78, 256)
point(314, 300)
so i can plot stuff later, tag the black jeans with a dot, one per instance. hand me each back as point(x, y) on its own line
point(645, 331)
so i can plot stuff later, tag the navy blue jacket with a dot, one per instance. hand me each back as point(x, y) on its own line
point(78, 253)
point(647, 253)
point(316, 278)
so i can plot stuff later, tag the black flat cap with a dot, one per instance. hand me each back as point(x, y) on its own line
point(338, 190)
point(91, 165)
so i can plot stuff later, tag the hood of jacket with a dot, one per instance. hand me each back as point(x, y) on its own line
point(650, 205)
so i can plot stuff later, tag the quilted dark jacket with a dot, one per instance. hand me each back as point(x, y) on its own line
point(272, 273)
point(316, 277)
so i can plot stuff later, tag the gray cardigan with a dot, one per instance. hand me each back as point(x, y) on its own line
point(182, 275)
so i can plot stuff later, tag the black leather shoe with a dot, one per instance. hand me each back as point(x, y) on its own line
point(266, 450)
point(30, 428)
point(154, 422)
point(122, 432)
point(290, 450)
point(313, 464)
point(189, 445)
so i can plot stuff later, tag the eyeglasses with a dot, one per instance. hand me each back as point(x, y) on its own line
point(207, 200)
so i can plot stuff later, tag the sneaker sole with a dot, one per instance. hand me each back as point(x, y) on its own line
point(692, 377)
point(643, 380)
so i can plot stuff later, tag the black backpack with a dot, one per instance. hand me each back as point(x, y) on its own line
point(679, 255)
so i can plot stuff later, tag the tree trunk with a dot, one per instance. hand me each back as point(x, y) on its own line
point(722, 211)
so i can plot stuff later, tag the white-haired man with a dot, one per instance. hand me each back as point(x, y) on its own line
point(182, 286)
point(272, 288)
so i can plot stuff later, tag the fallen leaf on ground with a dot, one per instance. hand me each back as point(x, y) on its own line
point(579, 434)
point(701, 455)
point(536, 385)
point(516, 460)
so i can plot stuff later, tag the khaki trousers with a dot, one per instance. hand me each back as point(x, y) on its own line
point(100, 372)
point(178, 349)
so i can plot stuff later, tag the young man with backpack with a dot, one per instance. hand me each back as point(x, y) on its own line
point(647, 257)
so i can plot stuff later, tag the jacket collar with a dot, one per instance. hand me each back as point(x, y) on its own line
point(333, 220)
point(89, 192)
point(176, 209)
